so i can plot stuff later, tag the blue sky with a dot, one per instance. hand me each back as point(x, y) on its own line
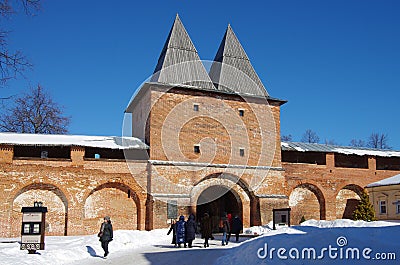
point(336, 62)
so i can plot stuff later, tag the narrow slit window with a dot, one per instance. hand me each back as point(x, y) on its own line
point(196, 107)
point(241, 112)
point(241, 151)
point(196, 149)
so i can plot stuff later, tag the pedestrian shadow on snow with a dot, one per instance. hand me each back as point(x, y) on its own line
point(92, 252)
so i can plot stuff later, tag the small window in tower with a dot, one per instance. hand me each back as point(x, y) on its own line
point(196, 107)
point(44, 154)
point(241, 151)
point(241, 112)
point(196, 149)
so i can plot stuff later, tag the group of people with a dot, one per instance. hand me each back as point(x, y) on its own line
point(184, 232)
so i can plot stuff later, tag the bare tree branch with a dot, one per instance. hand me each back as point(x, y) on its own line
point(310, 136)
point(13, 63)
point(357, 143)
point(35, 112)
point(378, 140)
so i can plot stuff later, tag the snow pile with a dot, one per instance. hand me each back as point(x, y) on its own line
point(257, 230)
point(67, 249)
point(261, 230)
point(346, 223)
point(380, 237)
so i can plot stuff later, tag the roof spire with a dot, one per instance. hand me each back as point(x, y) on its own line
point(232, 61)
point(179, 62)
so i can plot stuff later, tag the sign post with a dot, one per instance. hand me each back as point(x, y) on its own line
point(33, 226)
point(281, 217)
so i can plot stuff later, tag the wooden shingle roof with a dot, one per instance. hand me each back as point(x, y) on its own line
point(232, 69)
point(179, 62)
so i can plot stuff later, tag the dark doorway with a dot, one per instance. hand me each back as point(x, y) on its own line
point(216, 201)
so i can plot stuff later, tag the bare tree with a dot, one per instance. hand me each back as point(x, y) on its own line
point(378, 140)
point(310, 137)
point(35, 112)
point(286, 138)
point(13, 63)
point(330, 142)
point(357, 143)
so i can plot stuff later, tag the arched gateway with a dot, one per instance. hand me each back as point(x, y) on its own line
point(220, 194)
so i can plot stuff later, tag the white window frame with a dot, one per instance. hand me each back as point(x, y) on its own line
point(384, 204)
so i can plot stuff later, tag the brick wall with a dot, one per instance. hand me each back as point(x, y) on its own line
point(78, 194)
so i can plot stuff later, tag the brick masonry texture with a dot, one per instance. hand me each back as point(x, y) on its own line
point(80, 191)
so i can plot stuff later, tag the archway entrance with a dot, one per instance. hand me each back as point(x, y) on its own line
point(115, 199)
point(347, 201)
point(217, 200)
point(52, 198)
point(306, 200)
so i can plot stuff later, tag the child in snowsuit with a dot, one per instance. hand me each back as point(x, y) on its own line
point(181, 231)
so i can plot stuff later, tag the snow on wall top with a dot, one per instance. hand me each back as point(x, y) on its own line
point(347, 150)
point(110, 142)
point(386, 182)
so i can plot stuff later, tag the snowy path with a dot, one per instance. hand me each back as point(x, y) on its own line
point(164, 253)
point(153, 247)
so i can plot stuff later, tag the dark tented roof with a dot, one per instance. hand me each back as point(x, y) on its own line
point(179, 62)
point(232, 70)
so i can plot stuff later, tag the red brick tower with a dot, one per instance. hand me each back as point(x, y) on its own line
point(214, 137)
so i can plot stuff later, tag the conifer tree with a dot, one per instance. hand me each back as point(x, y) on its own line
point(365, 210)
point(303, 219)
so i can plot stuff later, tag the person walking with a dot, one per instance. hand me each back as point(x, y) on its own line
point(224, 226)
point(191, 230)
point(173, 230)
point(181, 231)
point(237, 226)
point(206, 229)
point(106, 234)
point(230, 225)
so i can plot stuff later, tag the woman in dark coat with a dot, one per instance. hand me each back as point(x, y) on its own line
point(191, 229)
point(106, 234)
point(237, 225)
point(206, 229)
point(173, 230)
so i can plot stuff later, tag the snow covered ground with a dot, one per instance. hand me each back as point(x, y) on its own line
point(344, 241)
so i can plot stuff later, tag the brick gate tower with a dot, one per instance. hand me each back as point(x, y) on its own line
point(214, 135)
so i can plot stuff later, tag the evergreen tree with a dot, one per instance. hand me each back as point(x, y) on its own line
point(303, 219)
point(365, 210)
